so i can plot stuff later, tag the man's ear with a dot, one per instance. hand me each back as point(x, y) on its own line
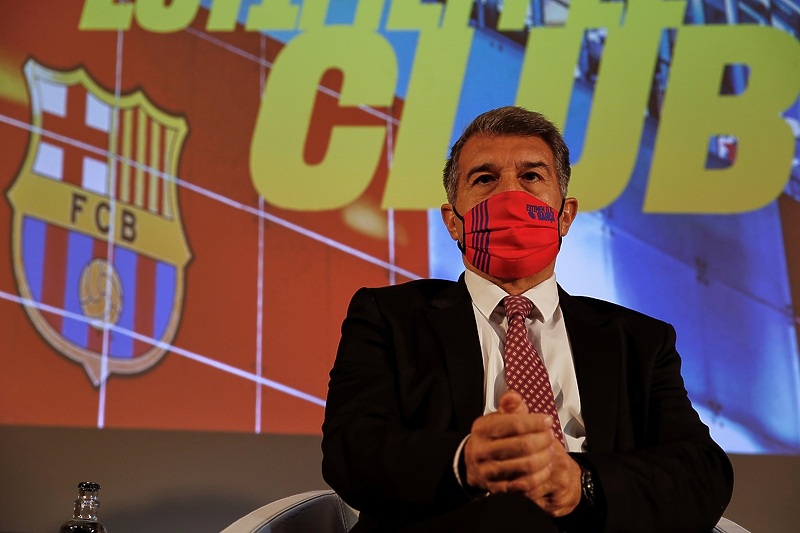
point(451, 222)
point(568, 215)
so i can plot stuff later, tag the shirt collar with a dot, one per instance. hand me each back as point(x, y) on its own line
point(487, 296)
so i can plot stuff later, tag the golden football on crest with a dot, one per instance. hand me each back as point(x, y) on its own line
point(100, 293)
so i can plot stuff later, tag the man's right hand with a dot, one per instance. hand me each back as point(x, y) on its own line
point(512, 450)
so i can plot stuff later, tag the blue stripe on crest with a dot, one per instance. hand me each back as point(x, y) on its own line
point(125, 263)
point(164, 298)
point(79, 254)
point(33, 235)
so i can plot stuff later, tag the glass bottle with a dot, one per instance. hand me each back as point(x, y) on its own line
point(84, 516)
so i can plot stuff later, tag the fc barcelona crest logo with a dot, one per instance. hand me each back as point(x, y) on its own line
point(98, 244)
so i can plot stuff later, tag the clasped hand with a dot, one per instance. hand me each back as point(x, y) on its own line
point(512, 450)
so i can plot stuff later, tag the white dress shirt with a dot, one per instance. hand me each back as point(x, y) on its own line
point(549, 336)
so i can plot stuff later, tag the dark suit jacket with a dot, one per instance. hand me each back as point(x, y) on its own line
point(408, 383)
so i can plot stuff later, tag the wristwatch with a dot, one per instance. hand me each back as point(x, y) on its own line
point(587, 486)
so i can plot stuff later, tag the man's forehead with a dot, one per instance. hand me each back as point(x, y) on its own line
point(481, 146)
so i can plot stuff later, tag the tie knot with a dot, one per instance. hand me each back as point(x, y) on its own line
point(517, 305)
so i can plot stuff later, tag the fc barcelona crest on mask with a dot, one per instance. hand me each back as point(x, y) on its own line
point(98, 245)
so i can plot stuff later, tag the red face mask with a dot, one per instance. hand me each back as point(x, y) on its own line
point(511, 235)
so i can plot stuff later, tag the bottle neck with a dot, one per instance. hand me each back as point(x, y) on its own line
point(86, 506)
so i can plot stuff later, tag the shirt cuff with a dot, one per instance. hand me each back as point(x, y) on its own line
point(460, 471)
point(458, 459)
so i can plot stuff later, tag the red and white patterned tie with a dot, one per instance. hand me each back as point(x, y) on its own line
point(525, 371)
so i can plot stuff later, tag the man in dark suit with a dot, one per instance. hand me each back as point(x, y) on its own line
point(422, 431)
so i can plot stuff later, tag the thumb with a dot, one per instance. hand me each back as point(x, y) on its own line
point(511, 403)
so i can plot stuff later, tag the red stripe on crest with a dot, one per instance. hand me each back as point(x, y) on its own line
point(94, 341)
point(144, 315)
point(55, 272)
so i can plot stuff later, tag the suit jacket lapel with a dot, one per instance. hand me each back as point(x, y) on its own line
point(596, 350)
point(597, 353)
point(452, 318)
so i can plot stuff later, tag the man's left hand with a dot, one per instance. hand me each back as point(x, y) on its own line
point(560, 494)
point(563, 488)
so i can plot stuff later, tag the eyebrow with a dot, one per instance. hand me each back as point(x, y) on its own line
point(524, 165)
point(535, 164)
point(485, 167)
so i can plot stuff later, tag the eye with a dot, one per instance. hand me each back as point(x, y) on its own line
point(530, 176)
point(482, 179)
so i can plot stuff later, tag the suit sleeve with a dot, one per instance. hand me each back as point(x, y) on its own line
point(380, 460)
point(673, 476)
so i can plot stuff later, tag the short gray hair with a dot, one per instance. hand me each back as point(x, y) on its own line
point(510, 120)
